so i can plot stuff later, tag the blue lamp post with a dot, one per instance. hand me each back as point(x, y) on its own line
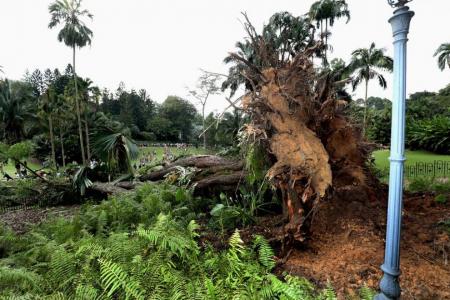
point(389, 285)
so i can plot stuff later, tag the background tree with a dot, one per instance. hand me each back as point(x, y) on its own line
point(443, 54)
point(74, 34)
point(327, 11)
point(47, 103)
point(15, 109)
point(181, 114)
point(365, 65)
point(207, 85)
point(63, 119)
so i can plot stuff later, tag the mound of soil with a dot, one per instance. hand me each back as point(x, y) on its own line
point(346, 247)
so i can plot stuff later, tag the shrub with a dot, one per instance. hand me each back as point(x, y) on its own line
point(430, 134)
point(441, 199)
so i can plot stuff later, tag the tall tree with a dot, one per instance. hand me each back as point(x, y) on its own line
point(87, 91)
point(74, 33)
point(63, 118)
point(365, 65)
point(181, 114)
point(15, 109)
point(327, 11)
point(47, 104)
point(207, 85)
point(443, 54)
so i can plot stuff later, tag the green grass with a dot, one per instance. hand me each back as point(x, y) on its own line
point(11, 169)
point(382, 157)
point(412, 157)
point(176, 152)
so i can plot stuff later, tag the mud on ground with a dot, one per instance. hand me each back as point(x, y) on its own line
point(347, 247)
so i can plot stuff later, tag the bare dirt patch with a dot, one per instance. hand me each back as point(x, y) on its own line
point(347, 247)
point(20, 220)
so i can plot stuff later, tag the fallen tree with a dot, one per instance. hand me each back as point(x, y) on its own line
point(210, 174)
point(311, 151)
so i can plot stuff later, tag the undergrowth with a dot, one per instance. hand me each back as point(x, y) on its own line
point(142, 245)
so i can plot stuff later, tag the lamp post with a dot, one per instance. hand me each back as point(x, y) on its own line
point(389, 285)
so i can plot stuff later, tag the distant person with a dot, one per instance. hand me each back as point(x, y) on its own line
point(18, 173)
point(7, 177)
point(24, 170)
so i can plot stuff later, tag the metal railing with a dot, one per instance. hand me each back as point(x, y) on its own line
point(430, 169)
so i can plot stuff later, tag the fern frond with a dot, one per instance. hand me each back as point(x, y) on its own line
point(114, 279)
point(265, 252)
point(366, 293)
point(19, 280)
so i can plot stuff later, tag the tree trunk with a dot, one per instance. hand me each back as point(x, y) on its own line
point(77, 104)
point(212, 174)
point(62, 147)
point(326, 41)
point(204, 126)
point(86, 128)
point(365, 110)
point(52, 142)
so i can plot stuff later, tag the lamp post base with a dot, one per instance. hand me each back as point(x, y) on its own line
point(389, 285)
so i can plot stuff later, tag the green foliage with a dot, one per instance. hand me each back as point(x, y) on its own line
point(20, 150)
point(229, 216)
point(441, 199)
point(118, 151)
point(139, 246)
point(366, 293)
point(430, 184)
point(430, 134)
point(80, 180)
point(255, 163)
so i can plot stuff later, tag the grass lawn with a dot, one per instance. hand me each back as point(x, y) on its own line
point(412, 157)
point(176, 152)
point(11, 169)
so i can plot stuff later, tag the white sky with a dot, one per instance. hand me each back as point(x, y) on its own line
point(160, 45)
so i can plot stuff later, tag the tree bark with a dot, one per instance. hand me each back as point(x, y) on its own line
point(213, 174)
point(212, 162)
point(365, 110)
point(77, 104)
point(86, 128)
point(203, 126)
point(63, 156)
point(52, 142)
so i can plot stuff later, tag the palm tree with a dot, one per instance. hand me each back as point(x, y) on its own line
point(63, 120)
point(282, 38)
point(444, 55)
point(47, 110)
point(87, 91)
point(74, 33)
point(328, 11)
point(117, 151)
point(14, 110)
point(365, 65)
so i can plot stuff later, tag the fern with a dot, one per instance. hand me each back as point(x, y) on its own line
point(366, 293)
point(86, 292)
point(114, 279)
point(19, 280)
point(265, 252)
point(327, 293)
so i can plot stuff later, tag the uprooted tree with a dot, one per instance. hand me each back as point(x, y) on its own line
point(312, 152)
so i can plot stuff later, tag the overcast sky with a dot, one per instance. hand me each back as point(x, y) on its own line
point(160, 45)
